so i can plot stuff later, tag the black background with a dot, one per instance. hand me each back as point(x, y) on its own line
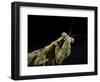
point(42, 30)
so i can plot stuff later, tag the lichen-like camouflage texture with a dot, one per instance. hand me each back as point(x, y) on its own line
point(52, 54)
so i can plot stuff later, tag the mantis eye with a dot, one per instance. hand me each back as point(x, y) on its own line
point(72, 40)
point(64, 34)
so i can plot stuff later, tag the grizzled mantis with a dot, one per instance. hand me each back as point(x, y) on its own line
point(52, 54)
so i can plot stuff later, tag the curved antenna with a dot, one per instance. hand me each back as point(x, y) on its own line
point(80, 35)
point(71, 27)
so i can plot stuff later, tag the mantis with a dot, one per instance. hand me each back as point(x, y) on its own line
point(53, 53)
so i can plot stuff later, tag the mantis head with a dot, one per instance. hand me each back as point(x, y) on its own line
point(66, 36)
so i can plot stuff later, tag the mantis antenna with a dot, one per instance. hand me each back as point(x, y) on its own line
point(71, 27)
